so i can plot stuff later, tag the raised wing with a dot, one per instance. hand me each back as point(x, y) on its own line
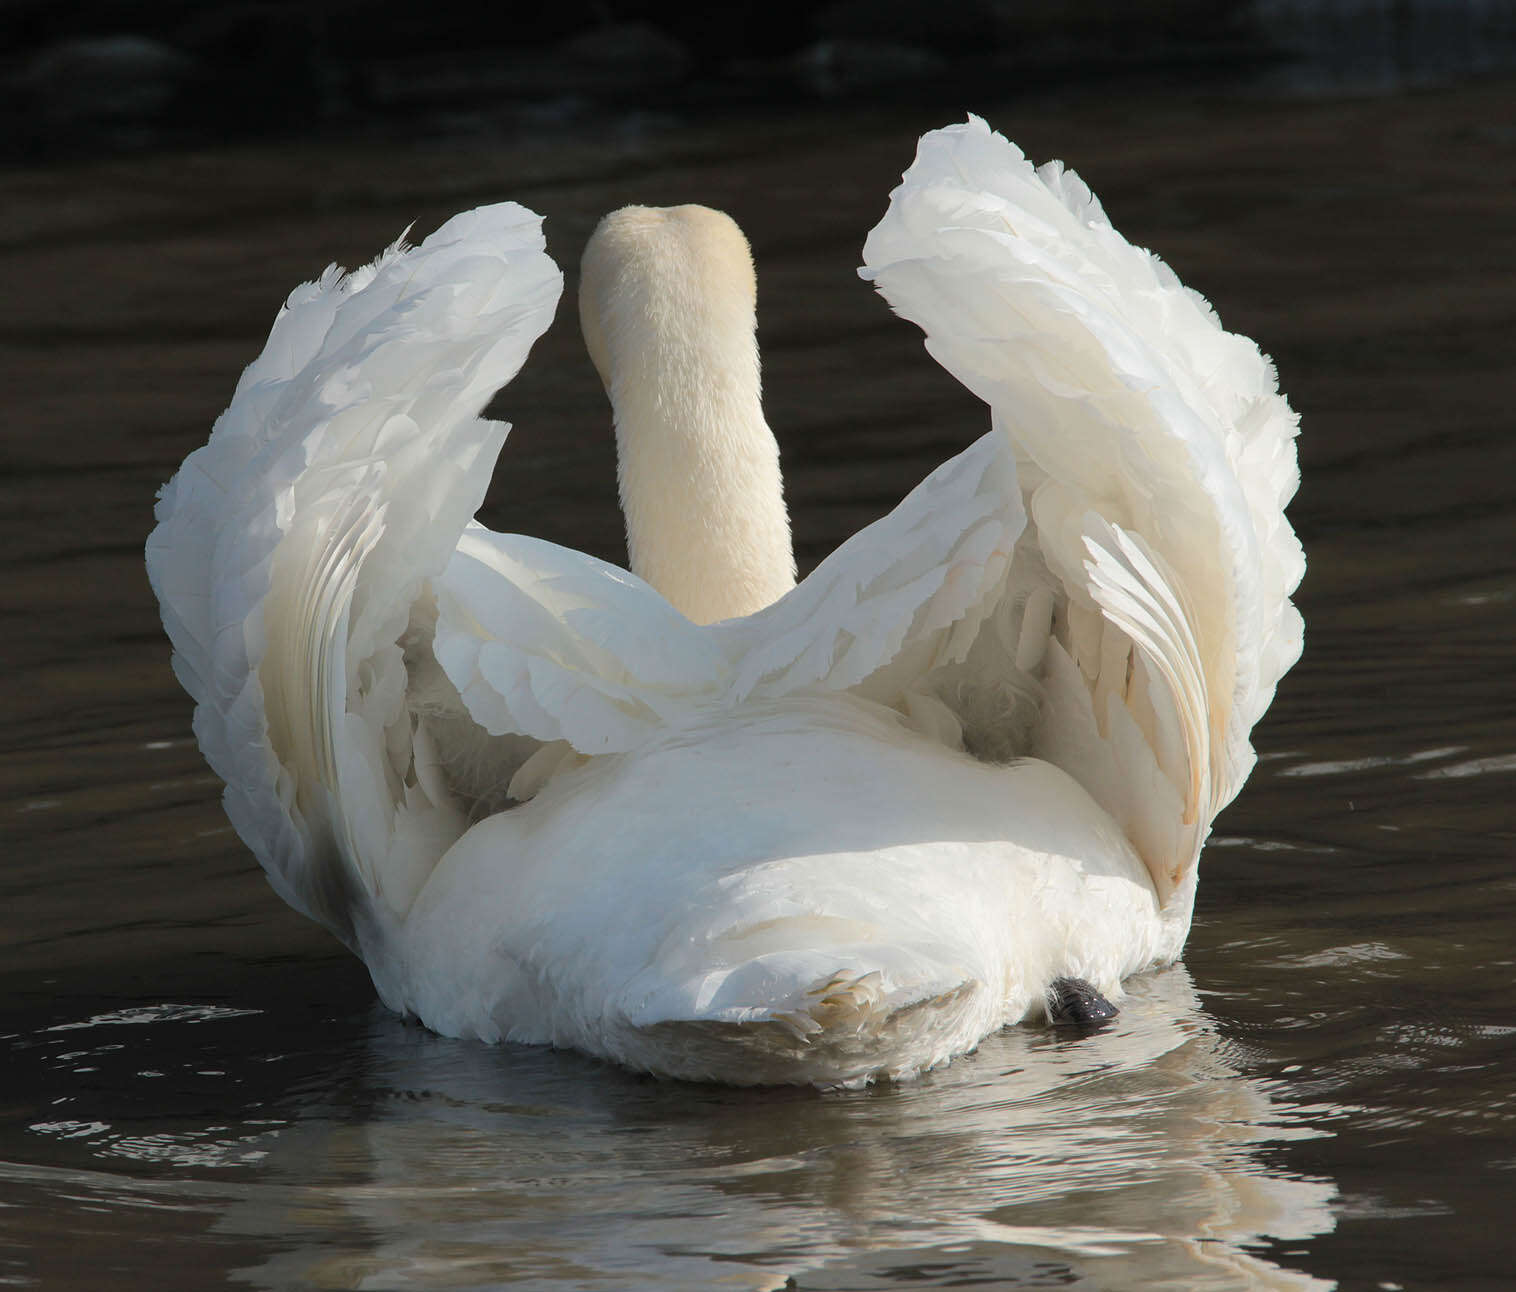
point(292, 553)
point(1149, 597)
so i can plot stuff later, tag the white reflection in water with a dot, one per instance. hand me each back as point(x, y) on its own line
point(1342, 957)
point(1473, 767)
point(1342, 766)
point(151, 1015)
point(1131, 1157)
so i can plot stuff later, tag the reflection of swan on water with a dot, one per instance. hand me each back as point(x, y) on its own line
point(858, 823)
point(1130, 1159)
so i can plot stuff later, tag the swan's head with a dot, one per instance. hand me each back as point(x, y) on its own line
point(667, 284)
point(667, 301)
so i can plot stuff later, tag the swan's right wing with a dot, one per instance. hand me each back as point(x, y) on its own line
point(1156, 457)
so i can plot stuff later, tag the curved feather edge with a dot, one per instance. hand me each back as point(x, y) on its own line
point(550, 643)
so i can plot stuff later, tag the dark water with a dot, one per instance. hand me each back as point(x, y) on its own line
point(197, 1089)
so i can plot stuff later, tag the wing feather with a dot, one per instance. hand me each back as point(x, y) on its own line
point(553, 644)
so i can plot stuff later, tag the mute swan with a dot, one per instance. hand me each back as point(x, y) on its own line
point(696, 818)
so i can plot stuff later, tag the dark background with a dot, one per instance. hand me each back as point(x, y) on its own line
point(92, 78)
point(1338, 179)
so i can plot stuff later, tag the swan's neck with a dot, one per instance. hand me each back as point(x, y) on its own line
point(667, 306)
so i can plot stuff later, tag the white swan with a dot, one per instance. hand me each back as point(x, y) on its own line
point(856, 824)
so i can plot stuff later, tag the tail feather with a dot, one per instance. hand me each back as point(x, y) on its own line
point(846, 1031)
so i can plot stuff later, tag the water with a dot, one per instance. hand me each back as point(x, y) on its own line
point(198, 1089)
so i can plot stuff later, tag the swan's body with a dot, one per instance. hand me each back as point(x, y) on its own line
point(703, 821)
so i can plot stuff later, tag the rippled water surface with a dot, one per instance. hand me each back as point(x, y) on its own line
point(198, 1089)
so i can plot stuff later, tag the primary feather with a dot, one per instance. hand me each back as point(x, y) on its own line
point(850, 826)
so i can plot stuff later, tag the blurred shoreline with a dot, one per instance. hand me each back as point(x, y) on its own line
point(97, 79)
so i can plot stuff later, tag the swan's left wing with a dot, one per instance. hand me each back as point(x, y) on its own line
point(292, 551)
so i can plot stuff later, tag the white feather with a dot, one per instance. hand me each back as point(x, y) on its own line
point(854, 824)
